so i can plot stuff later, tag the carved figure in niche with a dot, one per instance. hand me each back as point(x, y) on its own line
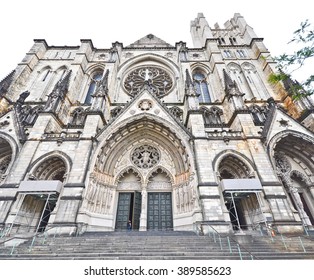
point(213, 115)
point(100, 95)
point(258, 114)
point(78, 116)
point(190, 92)
point(176, 112)
point(282, 164)
point(116, 111)
point(145, 156)
point(34, 114)
point(20, 102)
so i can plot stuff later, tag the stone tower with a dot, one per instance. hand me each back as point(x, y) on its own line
point(167, 136)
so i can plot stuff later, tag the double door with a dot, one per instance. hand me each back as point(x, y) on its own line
point(159, 210)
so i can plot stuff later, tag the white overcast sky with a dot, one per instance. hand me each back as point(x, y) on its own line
point(65, 22)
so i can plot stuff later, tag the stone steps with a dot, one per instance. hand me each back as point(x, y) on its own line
point(158, 246)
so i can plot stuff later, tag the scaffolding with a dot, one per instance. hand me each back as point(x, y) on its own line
point(36, 201)
point(236, 191)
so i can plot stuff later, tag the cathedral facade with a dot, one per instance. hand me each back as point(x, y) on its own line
point(165, 136)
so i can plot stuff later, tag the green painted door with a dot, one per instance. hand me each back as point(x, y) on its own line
point(129, 208)
point(159, 216)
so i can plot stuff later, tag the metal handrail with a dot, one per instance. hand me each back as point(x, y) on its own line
point(229, 237)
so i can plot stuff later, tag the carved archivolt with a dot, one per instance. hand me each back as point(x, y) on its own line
point(232, 167)
point(295, 174)
point(53, 168)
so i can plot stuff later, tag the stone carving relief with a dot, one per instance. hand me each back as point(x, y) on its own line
point(145, 156)
point(177, 113)
point(78, 116)
point(145, 105)
point(99, 196)
point(212, 116)
point(282, 163)
point(186, 197)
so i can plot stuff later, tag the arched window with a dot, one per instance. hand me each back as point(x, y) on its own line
point(92, 87)
point(201, 87)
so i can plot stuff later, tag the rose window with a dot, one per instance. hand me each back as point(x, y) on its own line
point(145, 156)
point(156, 79)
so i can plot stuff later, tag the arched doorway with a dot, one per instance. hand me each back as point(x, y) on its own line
point(39, 195)
point(293, 160)
point(145, 165)
point(129, 201)
point(159, 201)
point(5, 157)
point(241, 193)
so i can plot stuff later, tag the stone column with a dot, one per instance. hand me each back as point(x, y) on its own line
point(311, 188)
point(143, 217)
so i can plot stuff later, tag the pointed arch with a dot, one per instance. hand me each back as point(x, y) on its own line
point(200, 80)
point(236, 74)
point(160, 169)
point(95, 78)
point(296, 146)
point(132, 131)
point(5, 157)
point(234, 165)
point(254, 81)
point(128, 170)
point(51, 166)
point(171, 73)
point(258, 114)
point(45, 73)
point(291, 150)
point(148, 58)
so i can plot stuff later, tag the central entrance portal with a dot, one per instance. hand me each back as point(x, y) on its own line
point(129, 208)
point(159, 215)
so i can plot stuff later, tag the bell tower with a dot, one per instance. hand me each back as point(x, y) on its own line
point(200, 31)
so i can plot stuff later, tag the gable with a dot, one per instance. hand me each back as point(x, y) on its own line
point(280, 121)
point(150, 41)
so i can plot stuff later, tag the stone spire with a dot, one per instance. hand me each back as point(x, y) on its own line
point(233, 92)
point(292, 87)
point(58, 93)
point(19, 115)
point(190, 92)
point(101, 93)
point(5, 83)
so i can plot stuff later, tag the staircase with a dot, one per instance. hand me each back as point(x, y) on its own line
point(172, 245)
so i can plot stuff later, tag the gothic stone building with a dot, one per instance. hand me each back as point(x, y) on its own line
point(167, 136)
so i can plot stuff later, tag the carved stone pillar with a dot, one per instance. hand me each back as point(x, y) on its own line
point(143, 217)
